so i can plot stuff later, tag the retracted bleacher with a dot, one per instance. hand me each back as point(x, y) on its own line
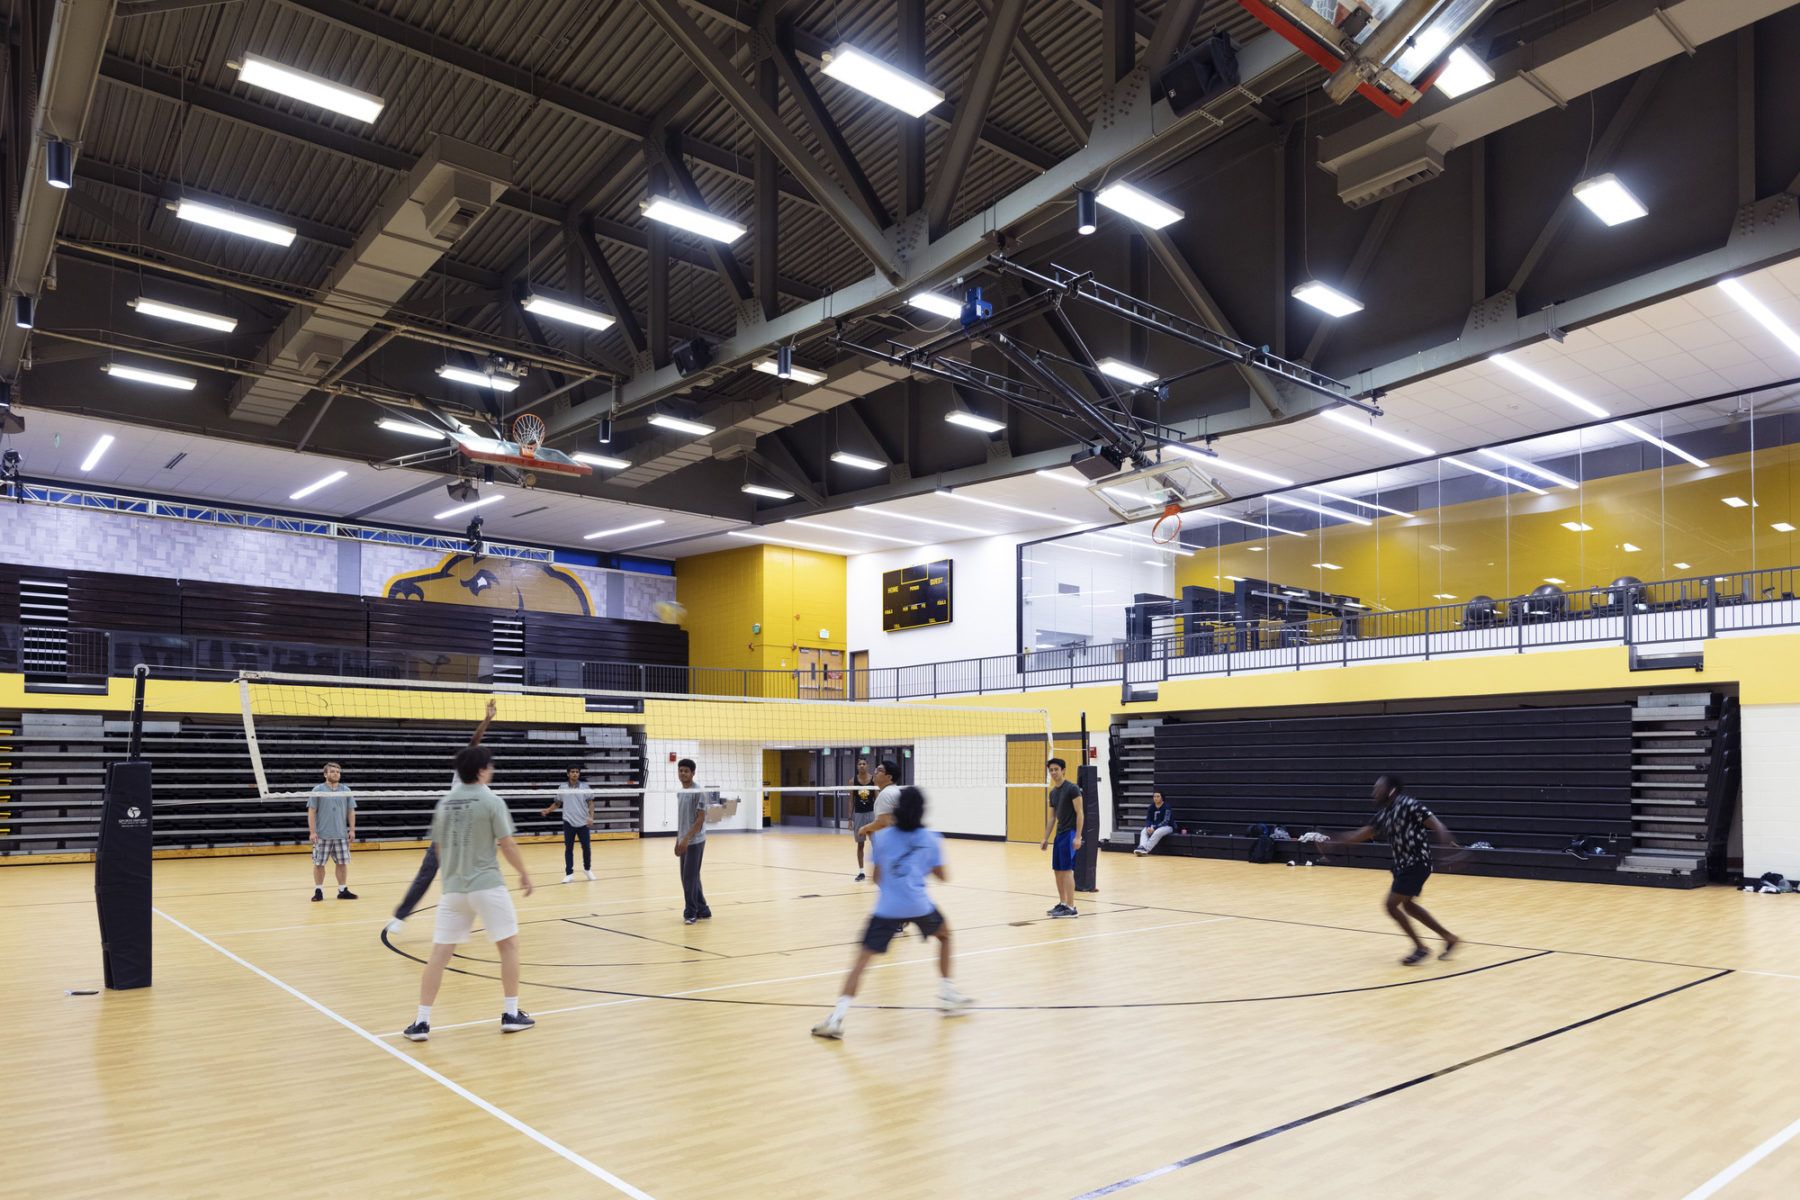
point(1529, 781)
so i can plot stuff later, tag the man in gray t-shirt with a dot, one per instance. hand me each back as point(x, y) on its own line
point(577, 823)
point(690, 842)
point(331, 826)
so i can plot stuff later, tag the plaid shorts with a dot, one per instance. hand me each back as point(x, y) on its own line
point(336, 850)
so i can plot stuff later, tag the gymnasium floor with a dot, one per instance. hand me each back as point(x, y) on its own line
point(1233, 1027)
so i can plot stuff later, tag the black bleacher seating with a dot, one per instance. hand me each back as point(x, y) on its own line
point(1528, 781)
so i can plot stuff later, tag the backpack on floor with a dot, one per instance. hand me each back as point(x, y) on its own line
point(1263, 849)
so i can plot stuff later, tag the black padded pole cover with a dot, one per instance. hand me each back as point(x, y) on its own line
point(1088, 780)
point(122, 875)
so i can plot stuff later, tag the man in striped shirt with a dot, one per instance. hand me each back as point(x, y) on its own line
point(1403, 822)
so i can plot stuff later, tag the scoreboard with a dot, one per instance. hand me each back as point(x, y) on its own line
point(914, 597)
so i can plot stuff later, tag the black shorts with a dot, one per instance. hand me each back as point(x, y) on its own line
point(1410, 881)
point(882, 930)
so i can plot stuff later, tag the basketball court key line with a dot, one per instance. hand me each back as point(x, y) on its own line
point(597, 1171)
point(908, 962)
point(1712, 1186)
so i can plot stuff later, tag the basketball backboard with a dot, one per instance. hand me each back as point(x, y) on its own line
point(1148, 492)
point(511, 454)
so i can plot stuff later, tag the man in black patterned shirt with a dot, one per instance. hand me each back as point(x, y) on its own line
point(1403, 822)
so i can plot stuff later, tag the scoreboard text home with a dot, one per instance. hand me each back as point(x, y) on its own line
point(913, 597)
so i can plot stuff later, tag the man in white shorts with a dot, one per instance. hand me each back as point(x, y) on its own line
point(471, 825)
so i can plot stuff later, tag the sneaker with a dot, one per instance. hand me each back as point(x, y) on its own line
point(1415, 958)
point(418, 1031)
point(831, 1027)
point(1066, 912)
point(570, 877)
point(1449, 949)
point(953, 1002)
point(588, 873)
point(347, 894)
point(514, 1022)
point(395, 926)
point(707, 915)
point(1054, 912)
point(689, 920)
point(318, 893)
point(860, 877)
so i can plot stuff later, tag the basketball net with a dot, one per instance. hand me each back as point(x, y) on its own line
point(528, 431)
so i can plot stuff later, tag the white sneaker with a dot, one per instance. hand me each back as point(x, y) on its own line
point(395, 926)
point(953, 1002)
point(570, 878)
point(589, 874)
point(831, 1027)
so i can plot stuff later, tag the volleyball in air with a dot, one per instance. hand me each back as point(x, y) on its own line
point(669, 612)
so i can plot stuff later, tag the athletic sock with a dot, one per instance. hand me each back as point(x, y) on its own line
point(425, 1014)
point(843, 1007)
point(512, 1006)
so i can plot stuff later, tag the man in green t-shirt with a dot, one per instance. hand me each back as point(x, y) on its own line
point(1063, 812)
point(471, 828)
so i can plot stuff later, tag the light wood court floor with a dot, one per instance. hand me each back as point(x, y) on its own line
point(1204, 1029)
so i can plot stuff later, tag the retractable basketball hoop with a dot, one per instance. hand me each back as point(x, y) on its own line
point(526, 451)
point(528, 431)
point(1163, 491)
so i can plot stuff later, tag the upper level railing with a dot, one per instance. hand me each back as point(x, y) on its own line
point(1636, 614)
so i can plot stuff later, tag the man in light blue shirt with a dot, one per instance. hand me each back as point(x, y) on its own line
point(904, 855)
point(331, 825)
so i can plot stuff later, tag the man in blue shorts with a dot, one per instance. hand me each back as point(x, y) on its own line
point(1403, 822)
point(1063, 812)
point(901, 859)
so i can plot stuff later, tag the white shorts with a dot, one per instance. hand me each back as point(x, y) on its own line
point(457, 912)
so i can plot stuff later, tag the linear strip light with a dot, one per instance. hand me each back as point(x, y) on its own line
point(460, 509)
point(770, 538)
point(937, 304)
point(846, 459)
point(798, 374)
point(410, 427)
point(1212, 460)
point(1140, 206)
point(691, 219)
point(1577, 527)
point(1327, 299)
point(1320, 508)
point(571, 314)
point(900, 516)
point(261, 72)
point(1130, 373)
point(1127, 539)
point(1519, 464)
point(880, 537)
point(146, 307)
point(681, 425)
point(1507, 479)
point(1362, 503)
point(1061, 478)
point(180, 383)
point(1219, 516)
point(601, 460)
point(106, 440)
point(1087, 550)
point(969, 420)
point(769, 493)
point(600, 533)
point(310, 488)
point(1462, 73)
point(1338, 417)
point(873, 77)
point(1639, 432)
point(1761, 312)
point(1562, 393)
point(1011, 508)
point(484, 379)
point(201, 213)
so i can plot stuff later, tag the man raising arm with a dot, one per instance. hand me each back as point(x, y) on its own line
point(428, 869)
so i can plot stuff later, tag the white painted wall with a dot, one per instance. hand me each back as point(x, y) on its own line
point(731, 768)
point(1771, 796)
point(964, 781)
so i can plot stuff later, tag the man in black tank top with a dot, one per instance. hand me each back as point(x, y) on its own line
point(862, 809)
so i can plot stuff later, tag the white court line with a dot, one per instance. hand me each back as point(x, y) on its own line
point(905, 962)
point(1769, 974)
point(1749, 1160)
point(591, 1168)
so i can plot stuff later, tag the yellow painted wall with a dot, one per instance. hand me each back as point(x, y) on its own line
point(1669, 523)
point(792, 594)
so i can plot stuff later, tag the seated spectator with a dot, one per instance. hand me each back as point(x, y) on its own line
point(1159, 823)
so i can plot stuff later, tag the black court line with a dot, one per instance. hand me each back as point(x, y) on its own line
point(644, 937)
point(1216, 1151)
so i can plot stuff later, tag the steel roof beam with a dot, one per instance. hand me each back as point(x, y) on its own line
point(984, 80)
point(589, 245)
point(824, 129)
point(1049, 85)
point(724, 260)
point(768, 207)
point(1187, 281)
point(1171, 34)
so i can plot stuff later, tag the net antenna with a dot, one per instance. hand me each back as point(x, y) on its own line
point(529, 432)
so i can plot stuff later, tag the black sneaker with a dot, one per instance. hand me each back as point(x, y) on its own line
point(418, 1031)
point(860, 877)
point(513, 1022)
point(346, 894)
point(689, 920)
point(318, 893)
point(1066, 912)
point(1057, 911)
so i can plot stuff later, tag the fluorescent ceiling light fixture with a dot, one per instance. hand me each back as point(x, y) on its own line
point(1120, 369)
point(310, 488)
point(1506, 479)
point(202, 213)
point(1642, 434)
point(1327, 299)
point(1219, 516)
point(1225, 464)
point(1577, 527)
point(880, 537)
point(1736, 502)
point(411, 427)
point(1011, 508)
point(1519, 464)
point(1779, 526)
point(1462, 73)
point(1320, 508)
point(1338, 417)
point(147, 307)
point(770, 493)
point(1361, 503)
point(258, 71)
point(797, 374)
point(1155, 562)
point(1235, 578)
point(1168, 549)
point(499, 383)
point(460, 509)
point(1761, 312)
point(1257, 549)
point(1552, 579)
point(691, 219)
point(938, 304)
point(1328, 566)
point(1140, 206)
point(1443, 595)
point(972, 421)
point(1629, 548)
point(900, 516)
point(1681, 566)
point(1061, 478)
point(1555, 389)
point(847, 459)
point(600, 533)
point(1439, 547)
point(562, 310)
point(770, 538)
point(681, 425)
point(601, 460)
point(180, 383)
point(1089, 550)
point(1609, 199)
point(106, 440)
point(873, 77)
